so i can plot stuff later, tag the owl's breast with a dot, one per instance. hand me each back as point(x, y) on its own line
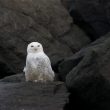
point(37, 62)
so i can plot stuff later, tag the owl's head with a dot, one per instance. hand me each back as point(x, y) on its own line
point(34, 47)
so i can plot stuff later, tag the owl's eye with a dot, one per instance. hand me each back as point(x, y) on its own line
point(32, 46)
point(38, 46)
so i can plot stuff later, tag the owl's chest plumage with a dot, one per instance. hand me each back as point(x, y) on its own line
point(37, 63)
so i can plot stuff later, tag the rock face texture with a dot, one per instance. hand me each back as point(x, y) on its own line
point(89, 79)
point(24, 21)
point(92, 15)
point(74, 36)
point(31, 96)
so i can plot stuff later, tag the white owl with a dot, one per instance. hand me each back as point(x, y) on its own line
point(38, 66)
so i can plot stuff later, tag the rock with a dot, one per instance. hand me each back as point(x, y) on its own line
point(49, 14)
point(91, 15)
point(75, 39)
point(24, 21)
point(14, 78)
point(31, 96)
point(66, 3)
point(66, 66)
point(89, 79)
point(4, 69)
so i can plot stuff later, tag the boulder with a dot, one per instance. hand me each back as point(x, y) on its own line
point(91, 15)
point(75, 39)
point(24, 21)
point(66, 3)
point(89, 79)
point(31, 96)
point(17, 78)
point(49, 14)
point(5, 70)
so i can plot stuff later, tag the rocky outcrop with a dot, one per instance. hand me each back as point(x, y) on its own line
point(84, 66)
point(31, 96)
point(75, 39)
point(91, 15)
point(17, 78)
point(46, 13)
point(88, 78)
point(24, 21)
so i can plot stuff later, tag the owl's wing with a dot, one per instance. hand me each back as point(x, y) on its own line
point(49, 66)
point(24, 69)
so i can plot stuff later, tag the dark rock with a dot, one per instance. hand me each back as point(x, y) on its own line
point(89, 80)
point(75, 39)
point(32, 96)
point(49, 14)
point(48, 22)
point(67, 65)
point(4, 69)
point(20, 77)
point(91, 15)
point(14, 78)
point(22, 22)
point(66, 3)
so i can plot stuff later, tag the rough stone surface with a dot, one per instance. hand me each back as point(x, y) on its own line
point(75, 39)
point(66, 65)
point(24, 21)
point(31, 96)
point(91, 15)
point(84, 66)
point(14, 78)
point(46, 13)
point(89, 80)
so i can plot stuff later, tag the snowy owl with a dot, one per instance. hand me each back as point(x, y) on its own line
point(38, 66)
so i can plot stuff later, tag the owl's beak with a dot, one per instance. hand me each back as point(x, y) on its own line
point(35, 49)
